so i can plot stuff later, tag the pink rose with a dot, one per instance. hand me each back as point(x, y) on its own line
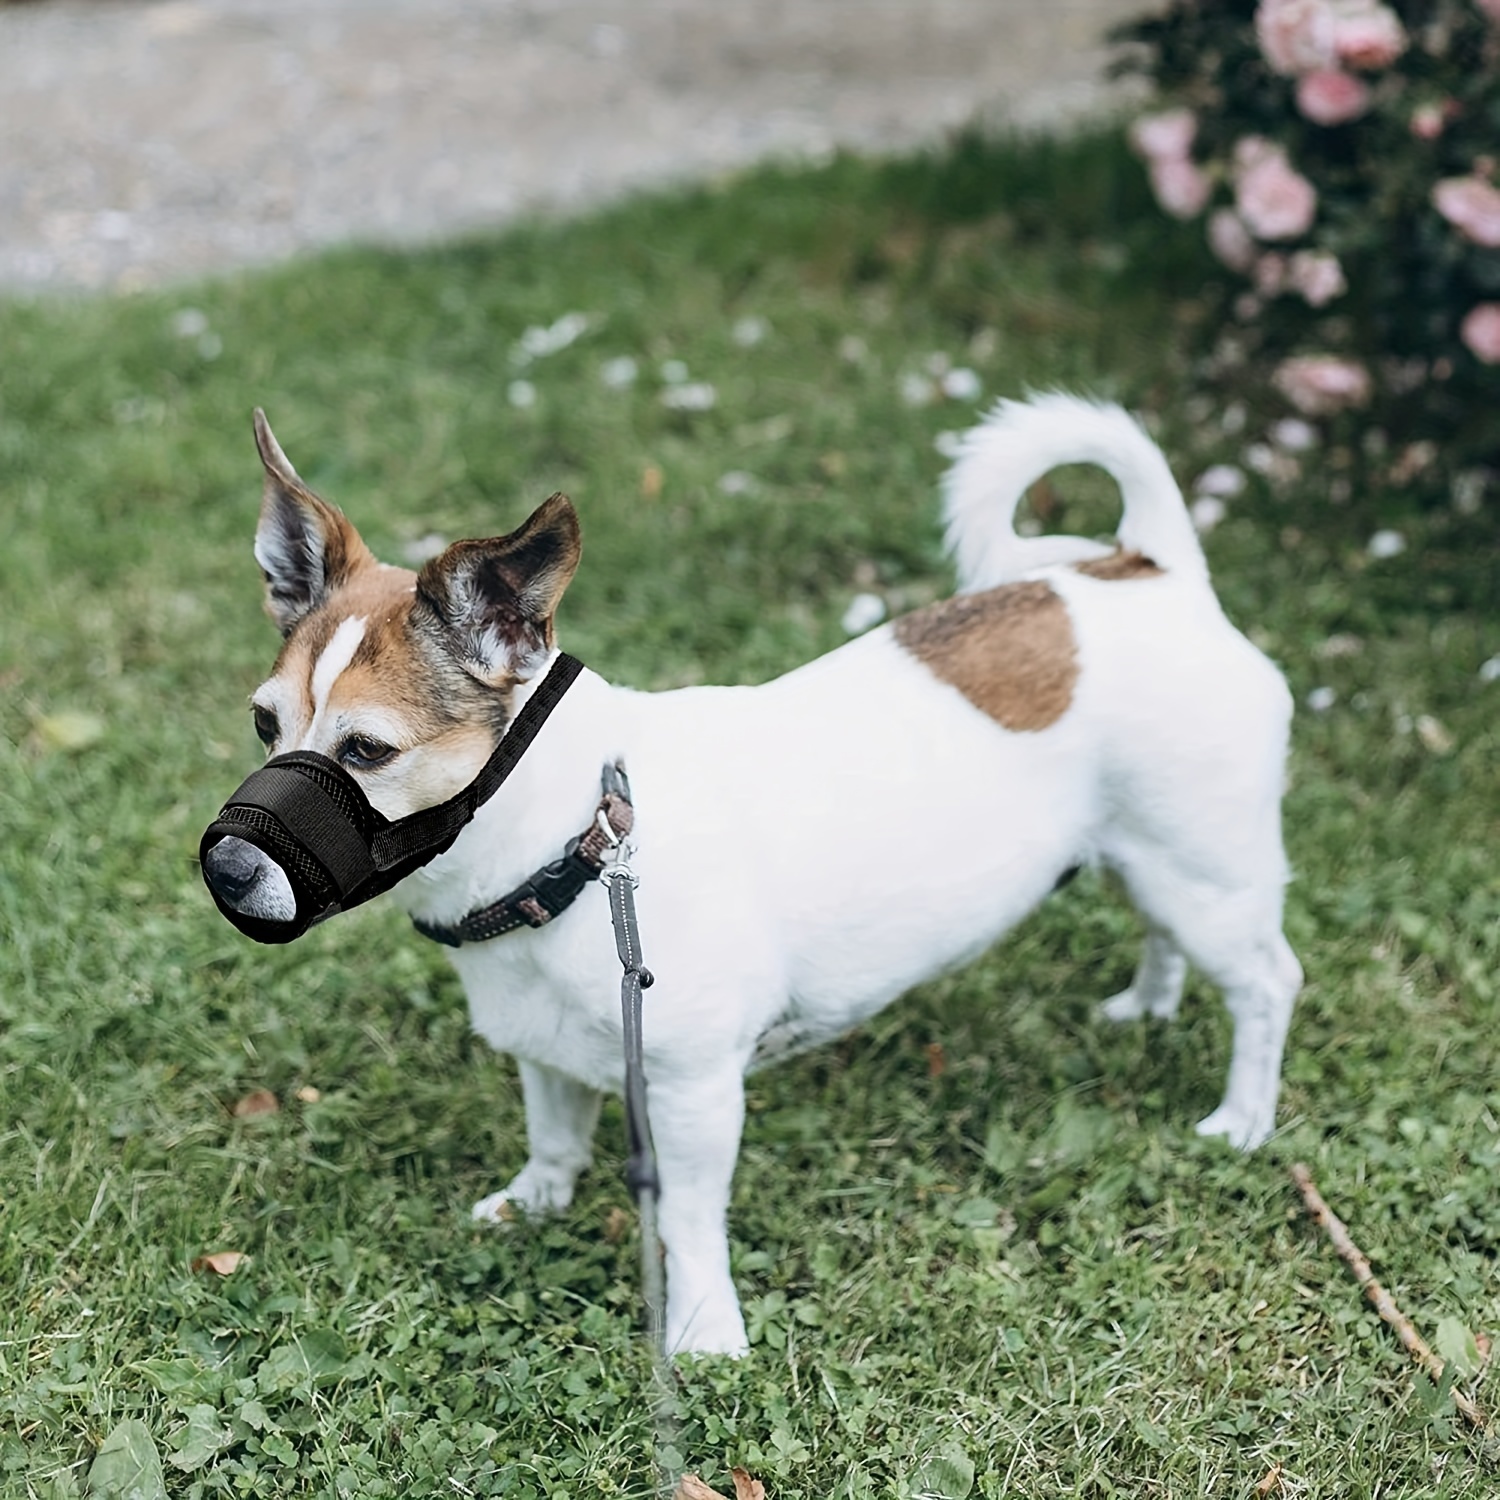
point(1480, 330)
point(1368, 37)
point(1429, 120)
point(1276, 202)
point(1472, 206)
point(1295, 36)
point(1329, 97)
point(1317, 276)
point(1230, 240)
point(1181, 188)
point(1167, 136)
point(1320, 384)
point(1270, 274)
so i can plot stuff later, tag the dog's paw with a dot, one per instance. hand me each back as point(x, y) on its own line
point(498, 1208)
point(1132, 1005)
point(1243, 1131)
point(708, 1333)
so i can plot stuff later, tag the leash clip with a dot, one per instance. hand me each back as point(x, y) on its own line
point(618, 865)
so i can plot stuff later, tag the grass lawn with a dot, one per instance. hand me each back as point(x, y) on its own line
point(980, 1250)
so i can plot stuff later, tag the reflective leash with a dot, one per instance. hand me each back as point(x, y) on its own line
point(640, 1165)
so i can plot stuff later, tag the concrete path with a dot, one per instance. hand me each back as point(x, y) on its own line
point(145, 142)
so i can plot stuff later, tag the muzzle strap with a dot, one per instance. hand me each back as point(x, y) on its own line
point(429, 832)
point(321, 820)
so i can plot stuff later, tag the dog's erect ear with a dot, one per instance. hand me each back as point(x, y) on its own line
point(304, 545)
point(497, 597)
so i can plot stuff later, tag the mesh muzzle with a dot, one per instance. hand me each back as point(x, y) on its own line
point(309, 816)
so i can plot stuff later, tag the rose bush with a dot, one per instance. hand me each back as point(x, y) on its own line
point(1344, 157)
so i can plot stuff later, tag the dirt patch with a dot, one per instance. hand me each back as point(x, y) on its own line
point(142, 143)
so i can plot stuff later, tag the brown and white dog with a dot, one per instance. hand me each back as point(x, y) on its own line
point(809, 848)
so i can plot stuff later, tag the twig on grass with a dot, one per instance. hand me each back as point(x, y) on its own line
point(1383, 1302)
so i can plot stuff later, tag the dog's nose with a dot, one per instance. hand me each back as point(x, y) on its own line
point(233, 870)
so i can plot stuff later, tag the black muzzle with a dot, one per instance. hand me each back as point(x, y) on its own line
point(299, 841)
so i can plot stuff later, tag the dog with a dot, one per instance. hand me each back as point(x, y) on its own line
point(810, 848)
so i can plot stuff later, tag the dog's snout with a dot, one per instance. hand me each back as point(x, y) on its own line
point(249, 881)
point(233, 869)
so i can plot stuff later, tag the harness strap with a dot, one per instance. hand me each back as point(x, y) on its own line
point(551, 890)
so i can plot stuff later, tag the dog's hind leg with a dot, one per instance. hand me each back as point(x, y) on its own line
point(1156, 989)
point(1232, 933)
point(560, 1117)
point(1260, 986)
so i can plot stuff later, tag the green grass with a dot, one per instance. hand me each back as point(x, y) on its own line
point(1021, 1261)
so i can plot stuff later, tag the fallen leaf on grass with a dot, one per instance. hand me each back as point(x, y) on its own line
point(1432, 734)
point(221, 1262)
point(257, 1102)
point(70, 730)
point(616, 1222)
point(690, 1487)
point(937, 1061)
point(1270, 1482)
point(127, 1466)
point(308, 1094)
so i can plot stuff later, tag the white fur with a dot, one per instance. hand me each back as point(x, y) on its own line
point(1020, 442)
point(329, 667)
point(811, 848)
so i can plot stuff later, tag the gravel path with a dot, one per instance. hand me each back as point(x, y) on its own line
point(141, 143)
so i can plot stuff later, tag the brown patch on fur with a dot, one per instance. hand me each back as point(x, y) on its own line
point(1119, 566)
point(1010, 651)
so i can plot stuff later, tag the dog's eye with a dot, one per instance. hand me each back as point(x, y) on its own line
point(364, 753)
point(266, 725)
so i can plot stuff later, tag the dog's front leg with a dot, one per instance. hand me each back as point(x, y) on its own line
point(560, 1117)
point(696, 1128)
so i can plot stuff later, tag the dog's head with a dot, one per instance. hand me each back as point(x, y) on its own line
point(406, 680)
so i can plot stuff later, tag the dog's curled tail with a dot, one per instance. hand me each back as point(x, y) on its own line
point(1018, 443)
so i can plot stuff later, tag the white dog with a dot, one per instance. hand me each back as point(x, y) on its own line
point(810, 848)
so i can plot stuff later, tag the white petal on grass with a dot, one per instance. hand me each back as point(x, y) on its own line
point(1339, 645)
point(674, 371)
point(961, 384)
point(1468, 491)
point(748, 332)
point(1321, 699)
point(949, 444)
point(521, 393)
point(1386, 544)
point(537, 342)
point(189, 322)
point(1206, 512)
point(1295, 435)
point(1234, 417)
point(853, 349)
point(864, 613)
point(619, 372)
point(1222, 480)
point(937, 364)
point(423, 548)
point(1489, 671)
point(917, 390)
point(697, 395)
point(738, 482)
point(210, 346)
